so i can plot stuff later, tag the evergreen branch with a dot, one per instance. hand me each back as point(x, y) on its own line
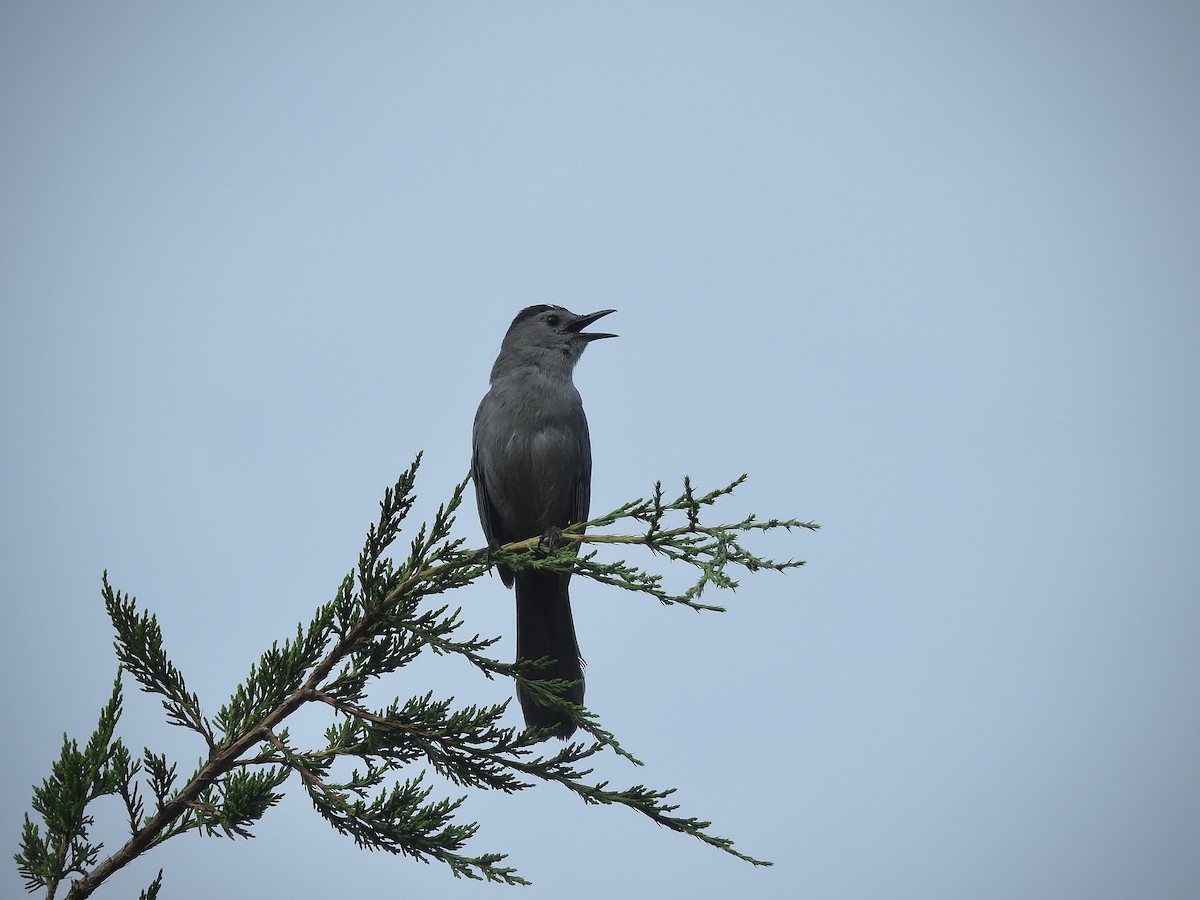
point(650, 803)
point(77, 778)
point(378, 621)
point(139, 646)
point(398, 821)
point(711, 549)
point(151, 893)
point(277, 674)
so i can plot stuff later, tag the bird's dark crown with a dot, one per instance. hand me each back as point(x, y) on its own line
point(530, 312)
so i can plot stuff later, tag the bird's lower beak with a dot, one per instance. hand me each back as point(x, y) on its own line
point(582, 322)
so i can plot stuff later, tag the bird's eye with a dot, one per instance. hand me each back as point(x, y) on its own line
point(553, 321)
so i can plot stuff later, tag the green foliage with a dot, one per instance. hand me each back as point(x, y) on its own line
point(77, 778)
point(379, 620)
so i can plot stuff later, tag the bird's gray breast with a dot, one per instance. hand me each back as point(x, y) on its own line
point(531, 452)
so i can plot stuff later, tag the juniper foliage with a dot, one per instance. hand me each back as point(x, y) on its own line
point(382, 617)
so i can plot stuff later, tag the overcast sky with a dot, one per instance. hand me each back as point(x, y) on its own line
point(928, 272)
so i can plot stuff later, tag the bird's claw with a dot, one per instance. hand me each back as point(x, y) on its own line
point(552, 539)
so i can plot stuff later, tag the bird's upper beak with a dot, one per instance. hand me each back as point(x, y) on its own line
point(580, 322)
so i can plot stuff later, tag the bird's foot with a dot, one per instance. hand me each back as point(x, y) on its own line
point(487, 554)
point(552, 539)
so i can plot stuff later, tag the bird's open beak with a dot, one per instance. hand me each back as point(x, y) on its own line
point(582, 322)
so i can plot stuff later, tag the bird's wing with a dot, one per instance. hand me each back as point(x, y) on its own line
point(487, 514)
point(582, 499)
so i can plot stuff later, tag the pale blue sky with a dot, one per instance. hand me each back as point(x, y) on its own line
point(927, 271)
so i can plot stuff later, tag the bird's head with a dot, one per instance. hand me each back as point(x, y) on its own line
point(550, 336)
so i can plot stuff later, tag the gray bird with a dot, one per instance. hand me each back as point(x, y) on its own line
point(532, 467)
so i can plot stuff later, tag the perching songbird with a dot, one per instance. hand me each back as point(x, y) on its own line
point(532, 468)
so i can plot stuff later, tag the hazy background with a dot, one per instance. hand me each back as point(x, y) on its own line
point(927, 271)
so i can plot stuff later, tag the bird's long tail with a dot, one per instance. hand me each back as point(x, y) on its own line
point(545, 629)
